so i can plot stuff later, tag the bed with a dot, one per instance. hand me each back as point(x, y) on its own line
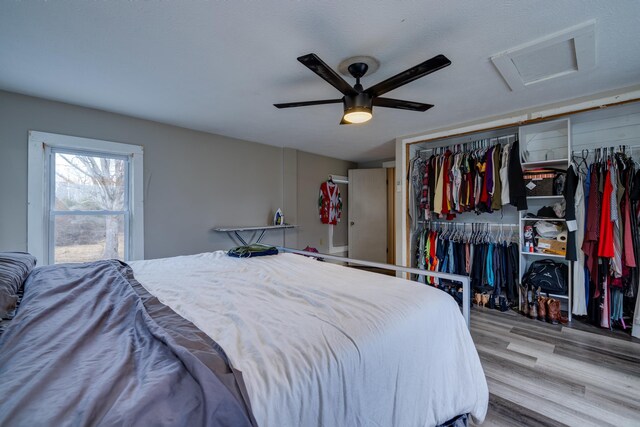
point(282, 340)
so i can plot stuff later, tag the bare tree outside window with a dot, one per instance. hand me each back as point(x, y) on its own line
point(90, 185)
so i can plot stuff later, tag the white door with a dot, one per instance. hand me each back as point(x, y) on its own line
point(368, 214)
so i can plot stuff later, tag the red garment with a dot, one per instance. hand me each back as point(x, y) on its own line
point(484, 193)
point(605, 245)
point(591, 235)
point(432, 254)
point(330, 203)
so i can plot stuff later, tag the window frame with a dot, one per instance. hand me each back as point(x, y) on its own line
point(42, 147)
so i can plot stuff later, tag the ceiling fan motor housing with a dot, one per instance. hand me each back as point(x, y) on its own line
point(359, 102)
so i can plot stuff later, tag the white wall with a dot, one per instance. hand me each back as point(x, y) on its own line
point(193, 181)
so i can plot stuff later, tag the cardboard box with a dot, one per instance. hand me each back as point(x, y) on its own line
point(551, 246)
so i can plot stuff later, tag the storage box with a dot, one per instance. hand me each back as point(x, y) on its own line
point(551, 246)
point(540, 182)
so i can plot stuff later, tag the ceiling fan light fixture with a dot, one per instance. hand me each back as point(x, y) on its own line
point(358, 108)
point(358, 115)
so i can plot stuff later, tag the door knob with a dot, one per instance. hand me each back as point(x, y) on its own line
point(352, 223)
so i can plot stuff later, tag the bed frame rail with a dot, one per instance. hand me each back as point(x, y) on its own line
point(466, 283)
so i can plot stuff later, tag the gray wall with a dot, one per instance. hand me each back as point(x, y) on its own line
point(313, 170)
point(194, 181)
point(374, 164)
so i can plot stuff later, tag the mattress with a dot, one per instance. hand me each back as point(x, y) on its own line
point(325, 345)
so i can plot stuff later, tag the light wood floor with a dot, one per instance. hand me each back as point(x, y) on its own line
point(545, 375)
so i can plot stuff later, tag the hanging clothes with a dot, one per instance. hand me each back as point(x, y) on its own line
point(504, 174)
point(609, 255)
point(579, 303)
point(330, 203)
point(458, 180)
point(517, 189)
point(492, 263)
point(570, 187)
point(496, 192)
point(605, 244)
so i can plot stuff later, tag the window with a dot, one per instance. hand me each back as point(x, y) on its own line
point(85, 199)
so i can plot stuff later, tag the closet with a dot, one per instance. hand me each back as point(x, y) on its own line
point(451, 226)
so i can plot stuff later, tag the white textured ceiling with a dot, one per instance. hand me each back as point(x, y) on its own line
point(217, 66)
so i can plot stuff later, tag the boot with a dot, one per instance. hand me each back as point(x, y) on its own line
point(542, 308)
point(492, 301)
point(478, 298)
point(553, 310)
point(533, 311)
point(524, 304)
point(485, 299)
point(503, 304)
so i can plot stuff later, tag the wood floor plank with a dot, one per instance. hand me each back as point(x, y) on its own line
point(618, 362)
point(613, 342)
point(504, 413)
point(611, 402)
point(550, 375)
point(570, 394)
point(509, 356)
point(582, 351)
point(589, 374)
point(552, 413)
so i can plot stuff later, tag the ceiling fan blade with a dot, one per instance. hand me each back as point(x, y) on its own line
point(400, 104)
point(427, 67)
point(315, 64)
point(306, 103)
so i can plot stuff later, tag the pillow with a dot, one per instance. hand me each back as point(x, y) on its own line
point(14, 269)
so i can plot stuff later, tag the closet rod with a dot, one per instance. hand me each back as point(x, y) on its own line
point(490, 224)
point(515, 136)
point(631, 147)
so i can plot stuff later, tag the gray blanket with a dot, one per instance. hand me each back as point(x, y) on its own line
point(89, 346)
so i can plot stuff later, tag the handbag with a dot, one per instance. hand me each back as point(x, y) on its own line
point(548, 275)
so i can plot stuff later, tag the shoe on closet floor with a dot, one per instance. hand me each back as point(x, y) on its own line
point(485, 299)
point(492, 301)
point(477, 297)
point(533, 310)
point(503, 304)
point(553, 311)
point(522, 299)
point(542, 308)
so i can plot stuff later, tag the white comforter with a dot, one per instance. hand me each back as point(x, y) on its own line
point(324, 345)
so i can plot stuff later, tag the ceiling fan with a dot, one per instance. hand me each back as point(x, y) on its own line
point(357, 102)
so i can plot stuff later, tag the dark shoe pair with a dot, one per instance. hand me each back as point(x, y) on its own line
point(500, 304)
point(492, 301)
point(503, 304)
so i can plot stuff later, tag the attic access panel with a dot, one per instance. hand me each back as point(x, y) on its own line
point(553, 56)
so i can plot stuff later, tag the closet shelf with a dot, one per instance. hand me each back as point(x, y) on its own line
point(545, 219)
point(545, 163)
point(543, 255)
